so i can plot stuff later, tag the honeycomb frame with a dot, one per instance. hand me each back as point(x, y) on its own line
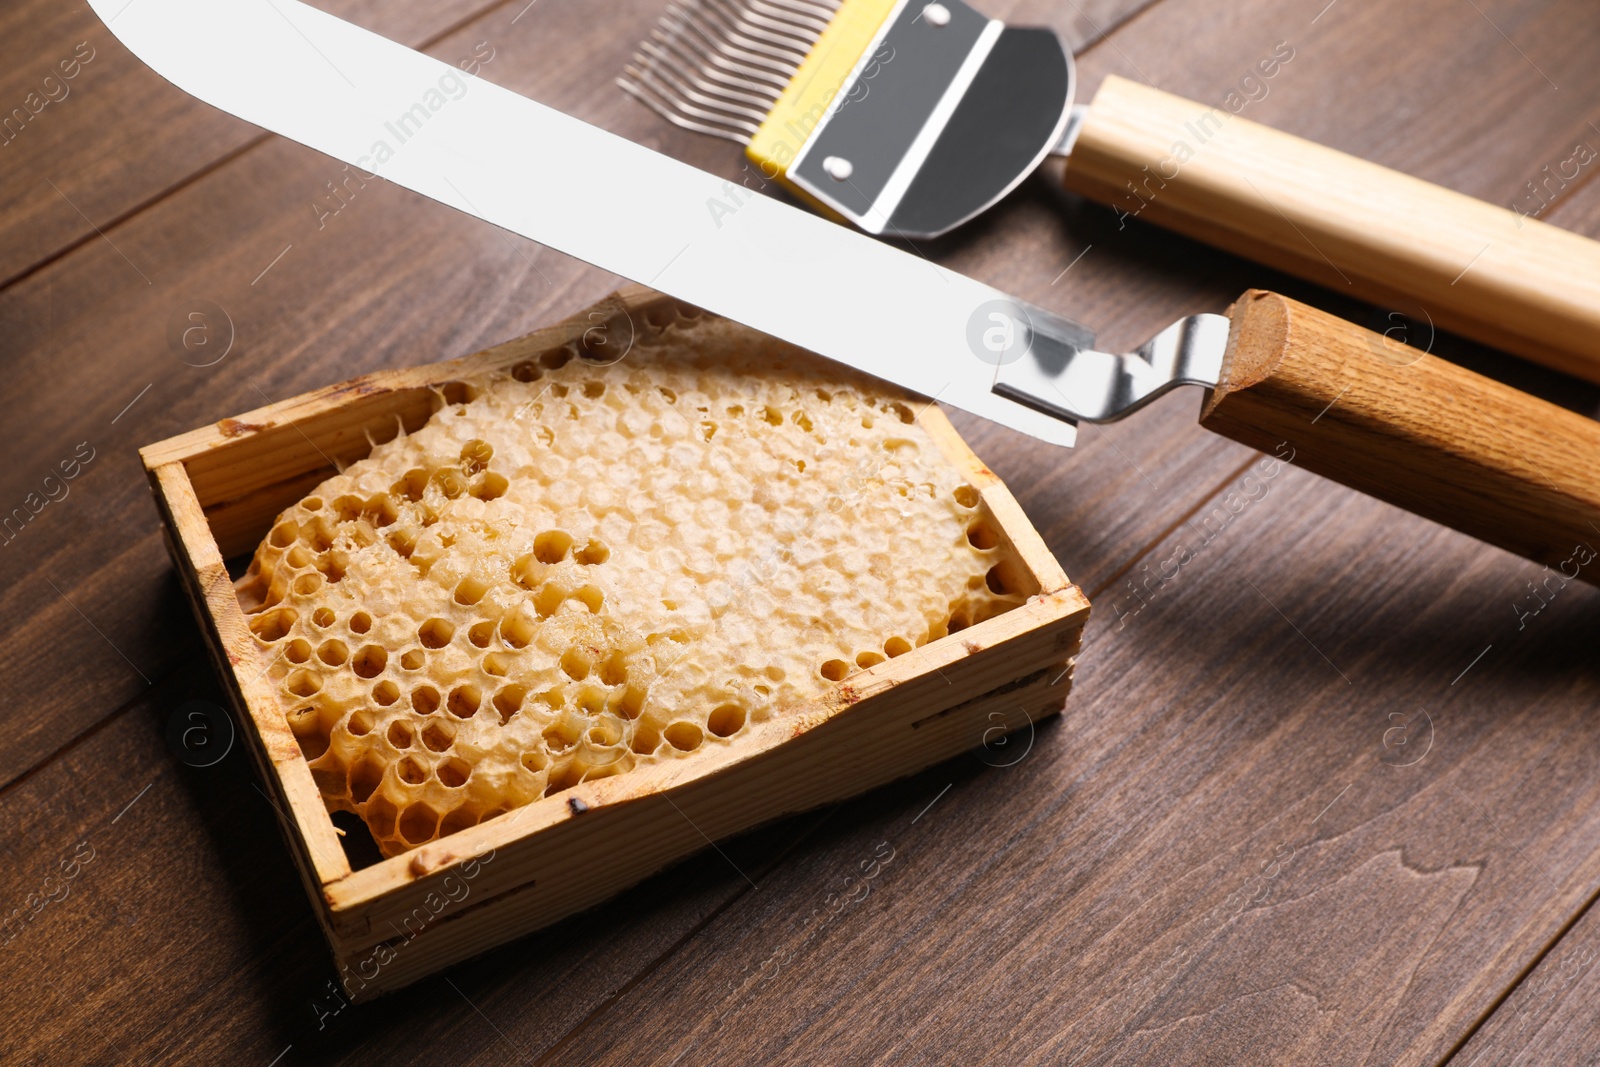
point(220, 488)
point(580, 570)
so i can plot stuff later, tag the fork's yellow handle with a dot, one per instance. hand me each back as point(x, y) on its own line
point(1494, 274)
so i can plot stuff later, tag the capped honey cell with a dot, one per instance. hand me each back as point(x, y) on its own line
point(571, 572)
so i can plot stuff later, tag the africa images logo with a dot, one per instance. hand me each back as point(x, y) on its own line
point(999, 331)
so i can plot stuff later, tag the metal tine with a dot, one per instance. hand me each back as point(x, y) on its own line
point(752, 59)
point(812, 24)
point(649, 81)
point(696, 40)
point(804, 32)
point(671, 88)
point(748, 77)
point(740, 26)
point(768, 29)
point(709, 80)
point(706, 25)
point(673, 81)
point(676, 37)
point(718, 66)
point(729, 31)
point(751, 77)
point(815, 17)
point(791, 50)
point(670, 113)
point(819, 10)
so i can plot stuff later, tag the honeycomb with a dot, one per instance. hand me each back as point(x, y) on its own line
point(582, 570)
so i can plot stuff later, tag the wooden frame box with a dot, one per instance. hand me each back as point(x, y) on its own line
point(390, 923)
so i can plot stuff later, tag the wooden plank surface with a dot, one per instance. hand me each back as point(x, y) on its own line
point(179, 926)
point(390, 280)
point(1552, 1013)
point(1221, 853)
point(1240, 861)
point(100, 135)
point(1273, 975)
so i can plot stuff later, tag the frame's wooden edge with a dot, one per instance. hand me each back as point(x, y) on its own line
point(1059, 608)
point(1025, 540)
point(938, 425)
point(925, 674)
point(651, 836)
point(200, 441)
point(272, 742)
point(1007, 513)
point(1038, 613)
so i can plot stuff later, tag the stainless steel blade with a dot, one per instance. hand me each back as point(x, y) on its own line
point(517, 164)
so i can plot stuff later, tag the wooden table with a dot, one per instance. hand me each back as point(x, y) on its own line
point(1324, 794)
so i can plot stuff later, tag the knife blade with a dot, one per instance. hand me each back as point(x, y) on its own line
point(530, 169)
point(1273, 368)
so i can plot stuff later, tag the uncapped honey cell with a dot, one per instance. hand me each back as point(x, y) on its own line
point(574, 571)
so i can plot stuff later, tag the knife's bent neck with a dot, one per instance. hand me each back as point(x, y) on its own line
point(1057, 373)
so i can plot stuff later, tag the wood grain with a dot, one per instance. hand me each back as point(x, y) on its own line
point(186, 938)
point(957, 1004)
point(1497, 275)
point(1085, 890)
point(114, 137)
point(392, 280)
point(578, 848)
point(1413, 430)
point(1553, 1013)
point(1229, 857)
point(1550, 1013)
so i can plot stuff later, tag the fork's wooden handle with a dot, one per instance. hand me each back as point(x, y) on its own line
point(1486, 272)
point(1412, 429)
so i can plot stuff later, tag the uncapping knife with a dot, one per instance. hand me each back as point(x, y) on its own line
point(1401, 425)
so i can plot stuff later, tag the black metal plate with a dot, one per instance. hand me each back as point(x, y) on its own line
point(875, 118)
point(1003, 126)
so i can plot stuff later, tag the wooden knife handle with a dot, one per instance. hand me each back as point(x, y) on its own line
point(1411, 429)
point(1490, 273)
